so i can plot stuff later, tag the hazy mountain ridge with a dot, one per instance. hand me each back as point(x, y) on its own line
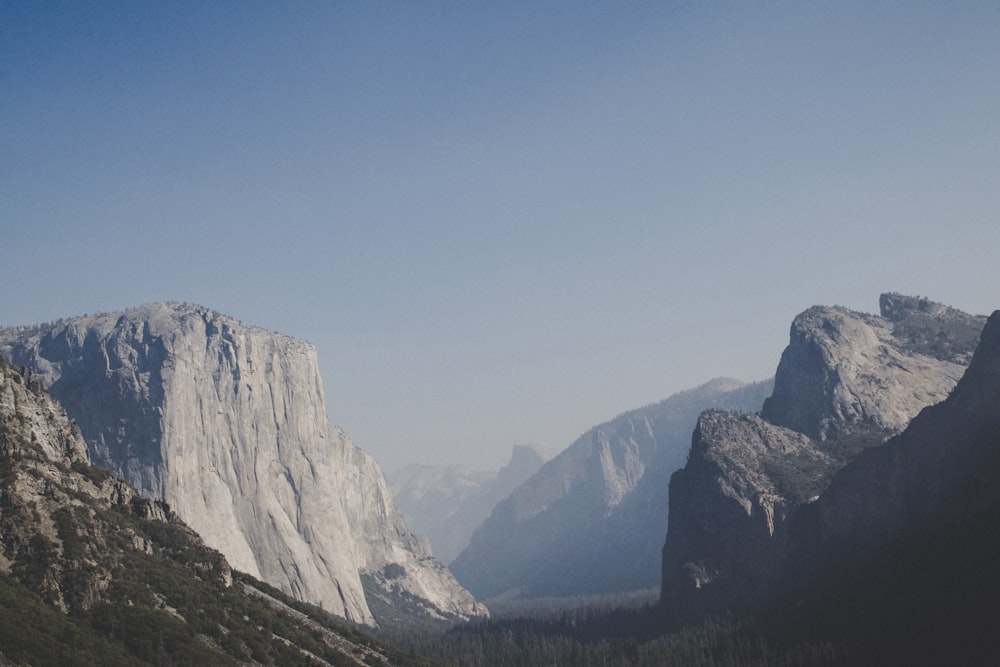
point(445, 504)
point(227, 423)
point(591, 519)
point(92, 573)
point(845, 383)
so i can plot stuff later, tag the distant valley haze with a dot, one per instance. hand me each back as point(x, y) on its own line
point(500, 223)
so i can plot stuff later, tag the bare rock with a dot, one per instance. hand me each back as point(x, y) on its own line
point(227, 423)
point(845, 371)
point(846, 382)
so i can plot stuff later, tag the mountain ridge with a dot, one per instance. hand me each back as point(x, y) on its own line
point(585, 522)
point(227, 423)
point(93, 573)
point(845, 383)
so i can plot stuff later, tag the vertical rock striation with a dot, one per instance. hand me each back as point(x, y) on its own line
point(227, 423)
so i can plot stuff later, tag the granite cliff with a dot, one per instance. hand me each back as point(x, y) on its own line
point(846, 382)
point(445, 504)
point(591, 519)
point(226, 422)
point(898, 556)
point(93, 573)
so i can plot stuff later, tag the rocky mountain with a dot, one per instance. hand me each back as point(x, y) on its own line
point(93, 573)
point(900, 552)
point(591, 519)
point(227, 423)
point(445, 504)
point(846, 382)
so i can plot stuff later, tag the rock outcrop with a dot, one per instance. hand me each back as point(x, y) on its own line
point(227, 423)
point(445, 504)
point(897, 559)
point(47, 485)
point(941, 472)
point(591, 519)
point(845, 371)
point(846, 382)
point(93, 573)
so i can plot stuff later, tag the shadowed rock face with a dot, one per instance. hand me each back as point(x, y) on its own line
point(227, 423)
point(726, 505)
point(943, 470)
point(899, 555)
point(845, 383)
point(49, 495)
point(591, 520)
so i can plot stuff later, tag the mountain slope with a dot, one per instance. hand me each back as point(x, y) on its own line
point(591, 519)
point(845, 383)
point(446, 504)
point(92, 573)
point(227, 423)
point(898, 556)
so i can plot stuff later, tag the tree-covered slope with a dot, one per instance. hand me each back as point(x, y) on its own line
point(93, 573)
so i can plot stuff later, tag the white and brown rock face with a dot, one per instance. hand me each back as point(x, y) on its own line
point(49, 493)
point(843, 370)
point(227, 423)
point(943, 470)
point(846, 382)
point(26, 407)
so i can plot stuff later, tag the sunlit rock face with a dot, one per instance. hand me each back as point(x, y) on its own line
point(226, 422)
point(940, 472)
point(843, 370)
point(846, 382)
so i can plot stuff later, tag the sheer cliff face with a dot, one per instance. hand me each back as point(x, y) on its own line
point(943, 470)
point(844, 370)
point(743, 478)
point(54, 536)
point(845, 383)
point(592, 519)
point(227, 423)
point(900, 552)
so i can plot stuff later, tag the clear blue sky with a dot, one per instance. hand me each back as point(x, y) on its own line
point(500, 222)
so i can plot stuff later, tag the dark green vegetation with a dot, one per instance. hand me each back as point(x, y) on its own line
point(637, 637)
point(93, 574)
point(802, 477)
point(932, 329)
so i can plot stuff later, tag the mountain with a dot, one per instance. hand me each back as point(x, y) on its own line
point(899, 554)
point(226, 423)
point(846, 382)
point(591, 519)
point(445, 504)
point(93, 573)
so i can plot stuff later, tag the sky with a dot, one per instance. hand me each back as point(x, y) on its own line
point(500, 222)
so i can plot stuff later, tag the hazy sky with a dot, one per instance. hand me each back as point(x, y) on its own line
point(500, 222)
